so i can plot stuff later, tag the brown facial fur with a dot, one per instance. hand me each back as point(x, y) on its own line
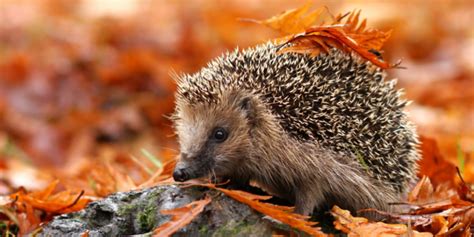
point(202, 156)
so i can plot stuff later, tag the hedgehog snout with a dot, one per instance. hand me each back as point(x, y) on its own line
point(180, 175)
point(180, 172)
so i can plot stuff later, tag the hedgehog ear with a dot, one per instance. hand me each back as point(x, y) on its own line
point(249, 106)
point(245, 104)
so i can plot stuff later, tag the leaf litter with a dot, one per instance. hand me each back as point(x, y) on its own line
point(441, 204)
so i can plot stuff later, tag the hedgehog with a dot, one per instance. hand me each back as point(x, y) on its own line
point(315, 130)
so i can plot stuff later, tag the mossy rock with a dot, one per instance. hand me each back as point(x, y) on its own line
point(139, 212)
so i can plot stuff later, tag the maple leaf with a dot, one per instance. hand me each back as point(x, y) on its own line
point(180, 217)
point(303, 35)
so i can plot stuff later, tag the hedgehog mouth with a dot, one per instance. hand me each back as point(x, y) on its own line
point(199, 170)
point(221, 169)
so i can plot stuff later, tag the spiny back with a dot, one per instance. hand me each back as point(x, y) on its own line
point(335, 99)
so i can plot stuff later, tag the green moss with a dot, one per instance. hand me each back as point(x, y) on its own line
point(147, 218)
point(233, 228)
point(147, 211)
point(204, 230)
point(131, 208)
point(126, 209)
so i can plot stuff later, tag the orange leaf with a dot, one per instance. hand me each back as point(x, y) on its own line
point(443, 212)
point(337, 33)
point(303, 35)
point(47, 191)
point(34, 207)
point(61, 202)
point(434, 165)
point(281, 213)
point(366, 38)
point(440, 225)
point(160, 175)
point(295, 20)
point(180, 217)
point(358, 226)
point(422, 191)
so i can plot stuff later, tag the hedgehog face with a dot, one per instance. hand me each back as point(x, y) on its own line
point(214, 137)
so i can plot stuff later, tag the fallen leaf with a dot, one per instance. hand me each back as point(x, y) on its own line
point(359, 226)
point(280, 213)
point(433, 164)
point(302, 34)
point(180, 217)
point(30, 206)
point(422, 191)
point(295, 20)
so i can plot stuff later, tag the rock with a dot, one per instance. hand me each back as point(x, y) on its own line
point(138, 212)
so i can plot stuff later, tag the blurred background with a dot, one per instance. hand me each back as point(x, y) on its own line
point(85, 85)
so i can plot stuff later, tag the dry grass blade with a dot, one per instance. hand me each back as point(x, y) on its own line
point(180, 217)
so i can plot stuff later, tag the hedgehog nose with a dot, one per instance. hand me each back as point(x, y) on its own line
point(179, 175)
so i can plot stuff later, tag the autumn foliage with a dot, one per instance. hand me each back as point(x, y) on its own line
point(346, 32)
point(84, 102)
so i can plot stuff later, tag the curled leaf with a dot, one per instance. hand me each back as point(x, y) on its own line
point(302, 34)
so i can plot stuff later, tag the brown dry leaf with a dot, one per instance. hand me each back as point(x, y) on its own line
point(322, 38)
point(106, 178)
point(422, 191)
point(465, 192)
point(35, 207)
point(434, 165)
point(281, 213)
point(358, 226)
point(440, 211)
point(440, 225)
point(295, 20)
point(305, 36)
point(123, 182)
point(180, 217)
point(61, 202)
point(366, 38)
point(163, 174)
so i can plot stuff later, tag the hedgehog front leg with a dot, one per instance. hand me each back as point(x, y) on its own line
point(304, 202)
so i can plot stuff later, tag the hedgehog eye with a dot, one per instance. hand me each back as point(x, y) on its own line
point(219, 135)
